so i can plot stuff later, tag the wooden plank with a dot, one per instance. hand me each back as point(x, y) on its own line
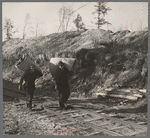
point(121, 92)
point(69, 112)
point(92, 119)
point(41, 117)
point(77, 115)
point(118, 96)
point(66, 124)
point(89, 112)
point(125, 119)
point(132, 91)
point(105, 123)
point(121, 121)
point(95, 127)
point(99, 111)
point(93, 133)
point(141, 123)
point(17, 91)
point(143, 90)
point(98, 128)
point(137, 132)
point(117, 127)
point(112, 115)
point(21, 99)
point(39, 112)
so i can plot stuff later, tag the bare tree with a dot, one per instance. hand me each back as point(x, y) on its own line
point(101, 10)
point(65, 15)
point(26, 25)
point(37, 26)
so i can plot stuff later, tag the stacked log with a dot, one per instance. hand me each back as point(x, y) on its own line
point(131, 94)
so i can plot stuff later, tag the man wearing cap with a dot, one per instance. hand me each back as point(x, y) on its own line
point(61, 84)
point(29, 86)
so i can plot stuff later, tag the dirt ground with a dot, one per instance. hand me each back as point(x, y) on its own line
point(18, 120)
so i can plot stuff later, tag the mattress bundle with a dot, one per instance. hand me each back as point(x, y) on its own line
point(53, 64)
point(24, 63)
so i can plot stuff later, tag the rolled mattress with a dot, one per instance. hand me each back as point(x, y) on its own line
point(53, 65)
point(24, 64)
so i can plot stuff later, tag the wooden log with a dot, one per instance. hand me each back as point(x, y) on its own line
point(92, 119)
point(130, 97)
point(99, 111)
point(66, 124)
point(121, 127)
point(133, 91)
point(109, 89)
point(77, 115)
point(141, 123)
point(137, 132)
point(143, 90)
point(68, 112)
point(93, 133)
point(100, 129)
point(122, 121)
point(126, 92)
point(41, 117)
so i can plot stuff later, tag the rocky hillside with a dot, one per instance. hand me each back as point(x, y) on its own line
point(106, 58)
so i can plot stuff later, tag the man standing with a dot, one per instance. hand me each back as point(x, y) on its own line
point(29, 86)
point(61, 84)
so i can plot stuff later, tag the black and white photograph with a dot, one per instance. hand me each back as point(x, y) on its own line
point(75, 68)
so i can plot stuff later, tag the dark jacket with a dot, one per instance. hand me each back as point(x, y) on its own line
point(61, 77)
point(30, 78)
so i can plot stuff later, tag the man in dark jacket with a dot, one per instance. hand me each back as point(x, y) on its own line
point(61, 84)
point(29, 86)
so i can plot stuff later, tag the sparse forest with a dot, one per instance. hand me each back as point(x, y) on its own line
point(113, 66)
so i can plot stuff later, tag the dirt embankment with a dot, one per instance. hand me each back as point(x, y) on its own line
point(107, 59)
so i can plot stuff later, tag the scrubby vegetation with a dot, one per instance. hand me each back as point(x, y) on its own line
point(106, 58)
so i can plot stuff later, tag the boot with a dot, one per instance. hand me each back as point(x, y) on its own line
point(27, 105)
point(30, 104)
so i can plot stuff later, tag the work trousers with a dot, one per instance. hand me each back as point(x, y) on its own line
point(29, 95)
point(64, 93)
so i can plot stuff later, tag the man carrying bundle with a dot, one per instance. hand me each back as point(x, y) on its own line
point(61, 84)
point(29, 86)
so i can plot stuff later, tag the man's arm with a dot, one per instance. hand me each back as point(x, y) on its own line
point(38, 74)
point(55, 79)
point(21, 81)
point(55, 83)
point(70, 73)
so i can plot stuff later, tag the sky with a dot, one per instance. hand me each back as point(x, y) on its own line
point(123, 16)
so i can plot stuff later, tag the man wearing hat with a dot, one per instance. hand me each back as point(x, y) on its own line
point(29, 86)
point(61, 84)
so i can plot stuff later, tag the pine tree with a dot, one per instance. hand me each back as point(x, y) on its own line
point(8, 26)
point(101, 10)
point(79, 23)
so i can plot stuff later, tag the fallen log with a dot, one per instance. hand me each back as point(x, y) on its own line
point(143, 90)
point(120, 92)
point(135, 91)
point(132, 92)
point(118, 95)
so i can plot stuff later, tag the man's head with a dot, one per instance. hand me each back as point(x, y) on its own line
point(61, 65)
point(32, 68)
